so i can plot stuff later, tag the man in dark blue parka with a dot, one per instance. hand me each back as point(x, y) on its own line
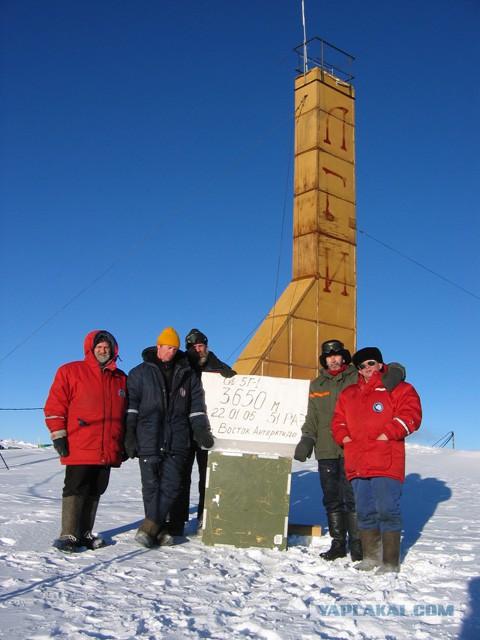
point(200, 359)
point(166, 409)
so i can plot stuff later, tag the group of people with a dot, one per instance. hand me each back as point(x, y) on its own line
point(359, 413)
point(98, 417)
point(357, 420)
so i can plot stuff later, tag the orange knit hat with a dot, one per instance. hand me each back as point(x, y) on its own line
point(169, 337)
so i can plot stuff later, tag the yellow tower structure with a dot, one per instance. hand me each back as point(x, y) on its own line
point(320, 302)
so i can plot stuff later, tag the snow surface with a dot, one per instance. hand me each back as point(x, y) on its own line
point(190, 590)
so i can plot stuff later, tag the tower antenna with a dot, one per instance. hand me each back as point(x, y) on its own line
point(305, 67)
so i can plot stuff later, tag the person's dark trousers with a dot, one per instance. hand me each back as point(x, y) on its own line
point(83, 486)
point(180, 511)
point(85, 480)
point(162, 480)
point(339, 503)
point(337, 490)
point(202, 461)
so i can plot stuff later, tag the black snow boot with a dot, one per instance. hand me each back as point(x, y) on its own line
point(91, 541)
point(147, 533)
point(87, 520)
point(338, 531)
point(354, 541)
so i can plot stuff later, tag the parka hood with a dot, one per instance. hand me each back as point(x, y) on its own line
point(88, 343)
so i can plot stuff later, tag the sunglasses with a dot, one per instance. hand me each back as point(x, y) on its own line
point(369, 363)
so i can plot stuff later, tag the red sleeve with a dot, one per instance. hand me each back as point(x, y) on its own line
point(56, 406)
point(407, 412)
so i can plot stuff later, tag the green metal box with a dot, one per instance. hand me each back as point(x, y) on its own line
point(247, 500)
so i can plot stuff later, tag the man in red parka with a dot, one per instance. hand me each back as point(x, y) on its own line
point(85, 412)
point(371, 424)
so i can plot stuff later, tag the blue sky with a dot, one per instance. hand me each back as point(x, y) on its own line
point(146, 169)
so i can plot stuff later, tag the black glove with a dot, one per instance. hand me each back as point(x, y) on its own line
point(203, 437)
point(396, 373)
point(130, 443)
point(193, 356)
point(304, 449)
point(228, 373)
point(61, 446)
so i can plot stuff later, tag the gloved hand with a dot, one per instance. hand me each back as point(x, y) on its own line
point(203, 437)
point(228, 373)
point(304, 449)
point(193, 356)
point(61, 446)
point(130, 443)
point(396, 373)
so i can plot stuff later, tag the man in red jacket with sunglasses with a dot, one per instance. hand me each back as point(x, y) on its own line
point(371, 423)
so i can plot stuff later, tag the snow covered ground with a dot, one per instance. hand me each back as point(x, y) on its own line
point(194, 591)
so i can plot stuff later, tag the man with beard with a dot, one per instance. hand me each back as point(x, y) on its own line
point(85, 412)
point(336, 374)
point(201, 358)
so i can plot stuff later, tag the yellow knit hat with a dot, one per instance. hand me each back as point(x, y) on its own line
point(169, 337)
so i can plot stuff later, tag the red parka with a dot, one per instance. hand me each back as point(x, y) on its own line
point(87, 404)
point(366, 410)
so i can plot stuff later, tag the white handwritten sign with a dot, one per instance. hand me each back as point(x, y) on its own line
point(256, 409)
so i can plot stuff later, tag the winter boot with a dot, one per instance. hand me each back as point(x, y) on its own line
point(391, 552)
point(68, 541)
point(165, 538)
point(87, 520)
point(354, 541)
point(371, 547)
point(147, 533)
point(338, 532)
point(175, 528)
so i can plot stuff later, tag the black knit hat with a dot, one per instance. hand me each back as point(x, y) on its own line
point(195, 336)
point(334, 348)
point(105, 336)
point(367, 353)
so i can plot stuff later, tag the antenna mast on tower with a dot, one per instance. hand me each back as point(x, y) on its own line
point(305, 56)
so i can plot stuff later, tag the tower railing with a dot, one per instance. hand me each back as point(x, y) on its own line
point(330, 59)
